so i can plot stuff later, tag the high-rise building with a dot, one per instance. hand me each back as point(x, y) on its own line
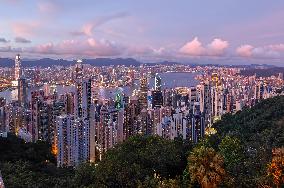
point(157, 98)
point(280, 76)
point(2, 114)
point(131, 113)
point(22, 92)
point(18, 70)
point(197, 123)
point(143, 92)
point(101, 128)
point(158, 83)
point(83, 120)
point(79, 69)
point(205, 101)
point(68, 99)
point(157, 95)
point(40, 113)
point(84, 146)
point(66, 141)
point(14, 115)
point(83, 98)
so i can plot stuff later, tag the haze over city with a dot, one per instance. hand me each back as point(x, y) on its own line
point(224, 32)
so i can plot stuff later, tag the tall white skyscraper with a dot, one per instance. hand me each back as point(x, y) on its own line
point(18, 70)
point(83, 120)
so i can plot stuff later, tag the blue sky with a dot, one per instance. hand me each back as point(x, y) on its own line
point(150, 30)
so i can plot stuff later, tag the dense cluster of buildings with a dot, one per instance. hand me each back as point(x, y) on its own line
point(81, 126)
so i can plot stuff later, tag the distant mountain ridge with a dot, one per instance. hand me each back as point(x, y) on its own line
point(47, 62)
point(271, 71)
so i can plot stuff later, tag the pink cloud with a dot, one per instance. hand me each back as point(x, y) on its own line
point(195, 48)
point(244, 50)
point(90, 47)
point(25, 29)
point(277, 47)
point(269, 51)
point(47, 48)
point(217, 47)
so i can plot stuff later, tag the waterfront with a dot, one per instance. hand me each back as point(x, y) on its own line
point(169, 80)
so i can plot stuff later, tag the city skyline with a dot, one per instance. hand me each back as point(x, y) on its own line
point(232, 32)
point(123, 93)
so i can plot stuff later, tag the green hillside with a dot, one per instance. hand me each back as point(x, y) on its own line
point(258, 130)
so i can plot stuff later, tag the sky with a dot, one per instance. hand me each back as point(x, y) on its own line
point(223, 31)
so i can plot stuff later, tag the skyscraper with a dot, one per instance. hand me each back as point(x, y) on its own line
point(22, 92)
point(83, 98)
point(2, 114)
point(83, 122)
point(157, 94)
point(79, 69)
point(83, 95)
point(143, 92)
point(18, 71)
point(39, 116)
point(66, 137)
point(158, 83)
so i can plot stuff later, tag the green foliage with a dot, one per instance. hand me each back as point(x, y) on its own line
point(231, 149)
point(253, 133)
point(206, 167)
point(157, 182)
point(13, 149)
point(139, 158)
point(85, 175)
point(25, 174)
point(30, 165)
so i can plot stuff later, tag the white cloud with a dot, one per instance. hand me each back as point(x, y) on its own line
point(195, 48)
point(245, 50)
point(217, 47)
point(269, 51)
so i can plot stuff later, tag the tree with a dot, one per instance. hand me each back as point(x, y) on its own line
point(276, 168)
point(140, 158)
point(206, 167)
point(259, 130)
point(230, 148)
point(85, 175)
point(30, 165)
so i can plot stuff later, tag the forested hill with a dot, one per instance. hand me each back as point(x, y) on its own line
point(266, 72)
point(262, 124)
point(259, 130)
